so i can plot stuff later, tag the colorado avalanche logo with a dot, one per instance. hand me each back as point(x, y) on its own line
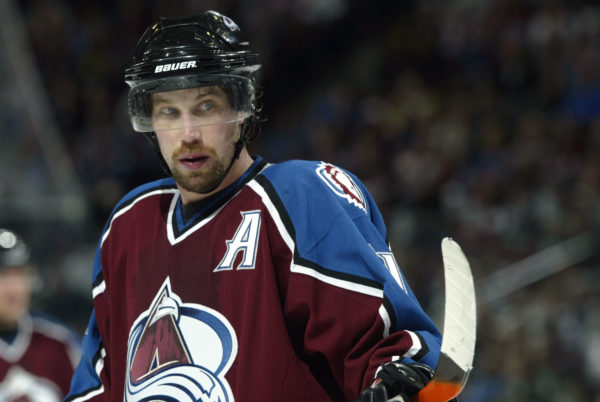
point(179, 352)
point(226, 20)
point(341, 184)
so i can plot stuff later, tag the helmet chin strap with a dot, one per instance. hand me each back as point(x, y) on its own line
point(239, 145)
point(151, 136)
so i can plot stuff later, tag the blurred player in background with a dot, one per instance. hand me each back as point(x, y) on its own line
point(37, 354)
point(236, 278)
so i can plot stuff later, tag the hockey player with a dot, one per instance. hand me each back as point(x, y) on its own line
point(37, 355)
point(235, 278)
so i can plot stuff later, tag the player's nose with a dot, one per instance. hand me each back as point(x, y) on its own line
point(191, 131)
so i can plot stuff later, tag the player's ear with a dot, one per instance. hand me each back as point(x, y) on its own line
point(239, 127)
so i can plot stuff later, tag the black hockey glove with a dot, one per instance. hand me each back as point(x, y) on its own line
point(397, 380)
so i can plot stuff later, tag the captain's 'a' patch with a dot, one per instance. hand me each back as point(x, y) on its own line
point(342, 184)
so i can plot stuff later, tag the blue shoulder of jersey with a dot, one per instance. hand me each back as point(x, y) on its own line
point(339, 237)
point(334, 219)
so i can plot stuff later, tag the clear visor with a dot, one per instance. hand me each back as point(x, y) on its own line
point(190, 101)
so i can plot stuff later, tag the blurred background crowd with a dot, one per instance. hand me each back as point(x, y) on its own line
point(478, 119)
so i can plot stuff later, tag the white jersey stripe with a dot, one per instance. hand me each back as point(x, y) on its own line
point(98, 369)
point(128, 207)
point(416, 345)
point(341, 283)
point(387, 323)
point(97, 290)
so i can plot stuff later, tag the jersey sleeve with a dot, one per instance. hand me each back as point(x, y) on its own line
point(345, 292)
point(91, 380)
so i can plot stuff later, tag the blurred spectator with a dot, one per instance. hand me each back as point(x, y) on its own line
point(37, 354)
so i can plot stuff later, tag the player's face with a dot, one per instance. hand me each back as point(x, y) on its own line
point(15, 294)
point(194, 142)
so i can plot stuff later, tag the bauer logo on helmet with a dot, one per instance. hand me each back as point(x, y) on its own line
point(184, 65)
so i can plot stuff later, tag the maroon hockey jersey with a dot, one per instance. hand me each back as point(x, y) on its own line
point(38, 362)
point(281, 287)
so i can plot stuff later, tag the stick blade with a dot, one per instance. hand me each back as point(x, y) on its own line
point(460, 326)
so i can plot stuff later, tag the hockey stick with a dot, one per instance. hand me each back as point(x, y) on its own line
point(460, 323)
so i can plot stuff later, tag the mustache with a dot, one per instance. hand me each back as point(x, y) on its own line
point(192, 148)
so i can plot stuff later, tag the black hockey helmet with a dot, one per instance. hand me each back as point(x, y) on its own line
point(207, 49)
point(188, 52)
point(13, 250)
point(208, 43)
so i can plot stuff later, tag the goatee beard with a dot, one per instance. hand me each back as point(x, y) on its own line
point(204, 181)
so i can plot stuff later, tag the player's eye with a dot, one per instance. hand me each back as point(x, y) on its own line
point(206, 107)
point(169, 112)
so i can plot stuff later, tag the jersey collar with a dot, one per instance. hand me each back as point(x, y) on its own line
point(186, 216)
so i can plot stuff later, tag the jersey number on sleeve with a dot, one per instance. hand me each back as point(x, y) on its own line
point(392, 266)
